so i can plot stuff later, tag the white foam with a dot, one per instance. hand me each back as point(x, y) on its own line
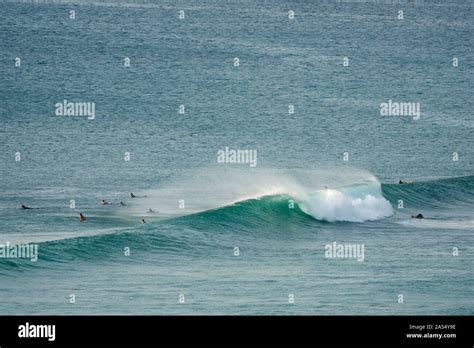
point(343, 205)
point(437, 223)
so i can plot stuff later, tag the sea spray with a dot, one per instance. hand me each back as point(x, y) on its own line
point(354, 195)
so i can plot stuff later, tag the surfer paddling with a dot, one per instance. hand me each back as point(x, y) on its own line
point(419, 216)
point(82, 217)
point(401, 182)
point(25, 207)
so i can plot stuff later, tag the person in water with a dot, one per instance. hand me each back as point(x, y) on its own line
point(122, 204)
point(401, 182)
point(143, 221)
point(81, 217)
point(151, 210)
point(104, 202)
point(132, 195)
point(25, 207)
point(419, 216)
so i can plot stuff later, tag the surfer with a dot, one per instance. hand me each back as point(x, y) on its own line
point(81, 217)
point(104, 202)
point(25, 207)
point(132, 195)
point(143, 221)
point(401, 182)
point(122, 204)
point(419, 216)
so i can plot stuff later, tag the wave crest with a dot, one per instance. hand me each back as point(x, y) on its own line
point(353, 204)
point(353, 196)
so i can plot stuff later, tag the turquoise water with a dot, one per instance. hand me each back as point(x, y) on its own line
point(301, 196)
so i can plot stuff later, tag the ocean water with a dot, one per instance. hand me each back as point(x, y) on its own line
point(236, 238)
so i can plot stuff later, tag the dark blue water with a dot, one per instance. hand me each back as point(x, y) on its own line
point(304, 192)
